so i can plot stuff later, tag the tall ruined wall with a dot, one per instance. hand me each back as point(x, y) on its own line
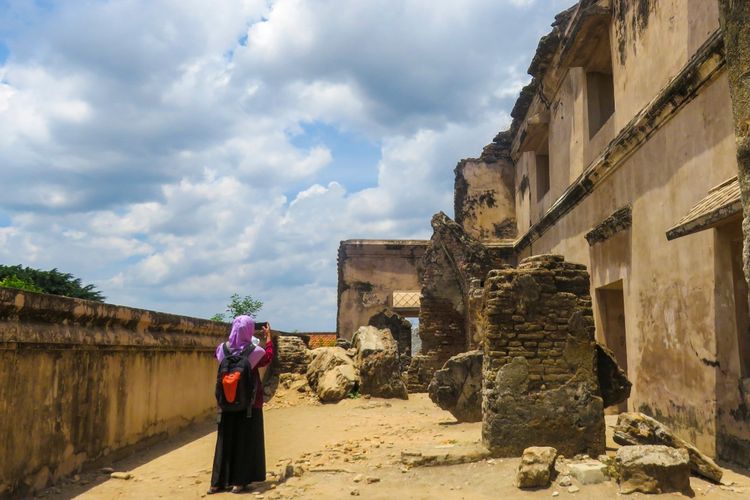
point(484, 195)
point(679, 327)
point(539, 377)
point(369, 272)
point(734, 421)
point(454, 265)
point(81, 380)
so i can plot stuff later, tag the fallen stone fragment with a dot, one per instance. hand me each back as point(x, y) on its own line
point(377, 359)
point(337, 383)
point(400, 329)
point(457, 386)
point(372, 479)
point(636, 428)
point(653, 469)
point(613, 381)
point(565, 481)
point(358, 478)
point(590, 472)
point(289, 470)
point(324, 359)
point(292, 355)
point(121, 475)
point(535, 469)
point(460, 455)
point(574, 489)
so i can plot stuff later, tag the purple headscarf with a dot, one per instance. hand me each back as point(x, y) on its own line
point(243, 328)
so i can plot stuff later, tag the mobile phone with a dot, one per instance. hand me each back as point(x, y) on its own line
point(259, 325)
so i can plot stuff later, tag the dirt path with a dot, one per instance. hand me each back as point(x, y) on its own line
point(352, 448)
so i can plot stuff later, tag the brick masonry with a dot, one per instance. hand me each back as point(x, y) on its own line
point(540, 384)
point(453, 263)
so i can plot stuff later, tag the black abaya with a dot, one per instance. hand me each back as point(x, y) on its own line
point(240, 456)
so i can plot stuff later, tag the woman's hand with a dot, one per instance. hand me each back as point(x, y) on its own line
point(267, 331)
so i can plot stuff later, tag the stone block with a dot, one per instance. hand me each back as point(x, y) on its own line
point(535, 469)
point(653, 469)
point(593, 472)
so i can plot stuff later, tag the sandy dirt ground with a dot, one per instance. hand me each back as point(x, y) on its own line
point(346, 450)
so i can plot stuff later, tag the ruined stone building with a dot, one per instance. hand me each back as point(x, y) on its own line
point(621, 157)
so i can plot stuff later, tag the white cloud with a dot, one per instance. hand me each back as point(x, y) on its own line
point(161, 149)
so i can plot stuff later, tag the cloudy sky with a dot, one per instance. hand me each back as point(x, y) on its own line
point(173, 152)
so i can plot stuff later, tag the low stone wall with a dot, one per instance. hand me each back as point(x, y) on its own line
point(81, 380)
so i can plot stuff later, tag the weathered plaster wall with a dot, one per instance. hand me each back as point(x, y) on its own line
point(651, 40)
point(671, 312)
point(81, 380)
point(369, 272)
point(484, 193)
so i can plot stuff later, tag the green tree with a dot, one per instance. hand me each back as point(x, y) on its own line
point(16, 282)
point(238, 306)
point(52, 281)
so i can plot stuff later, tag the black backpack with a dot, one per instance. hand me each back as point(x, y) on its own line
point(235, 384)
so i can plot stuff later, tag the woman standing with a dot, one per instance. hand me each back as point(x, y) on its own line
point(240, 457)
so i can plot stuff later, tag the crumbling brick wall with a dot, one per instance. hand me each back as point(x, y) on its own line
point(540, 384)
point(452, 262)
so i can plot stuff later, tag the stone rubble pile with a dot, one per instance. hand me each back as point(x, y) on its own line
point(370, 367)
point(331, 374)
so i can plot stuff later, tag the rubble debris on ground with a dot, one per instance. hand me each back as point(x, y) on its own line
point(635, 428)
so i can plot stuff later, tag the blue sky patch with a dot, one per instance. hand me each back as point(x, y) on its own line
point(354, 157)
point(4, 219)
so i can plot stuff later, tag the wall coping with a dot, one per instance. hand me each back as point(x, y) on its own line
point(95, 324)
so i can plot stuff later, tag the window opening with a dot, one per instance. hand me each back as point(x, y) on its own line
point(601, 99)
point(542, 175)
